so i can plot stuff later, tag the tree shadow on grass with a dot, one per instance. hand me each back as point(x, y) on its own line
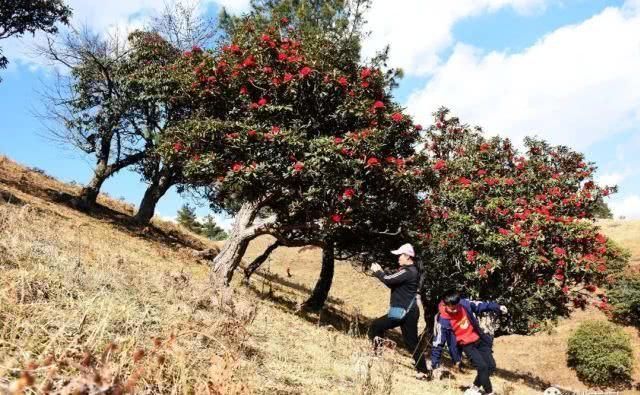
point(122, 221)
point(358, 325)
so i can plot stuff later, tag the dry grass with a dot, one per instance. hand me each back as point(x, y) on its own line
point(75, 285)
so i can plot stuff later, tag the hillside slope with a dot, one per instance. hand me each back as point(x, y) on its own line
point(92, 300)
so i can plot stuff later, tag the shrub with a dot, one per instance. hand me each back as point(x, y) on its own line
point(601, 354)
point(624, 298)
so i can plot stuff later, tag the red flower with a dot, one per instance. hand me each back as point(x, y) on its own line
point(471, 255)
point(282, 56)
point(338, 140)
point(234, 48)
point(561, 263)
point(482, 172)
point(233, 136)
point(243, 90)
point(559, 251)
point(397, 117)
point(390, 159)
point(263, 101)
point(267, 69)
point(298, 167)
point(439, 125)
point(440, 164)
point(177, 147)
point(275, 130)
point(265, 38)
point(284, 20)
point(288, 77)
point(336, 218)
point(590, 288)
point(484, 147)
point(378, 105)
point(250, 61)
point(418, 127)
point(305, 71)
point(464, 181)
point(196, 157)
point(252, 133)
point(366, 72)
point(600, 238)
point(342, 81)
point(346, 152)
point(565, 289)
point(237, 167)
point(503, 231)
point(348, 193)
point(373, 161)
point(540, 282)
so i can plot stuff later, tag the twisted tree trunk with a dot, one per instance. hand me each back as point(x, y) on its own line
point(159, 186)
point(230, 256)
point(321, 291)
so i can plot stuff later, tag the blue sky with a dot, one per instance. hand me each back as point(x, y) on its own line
point(563, 70)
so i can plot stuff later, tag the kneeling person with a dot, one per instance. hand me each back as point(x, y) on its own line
point(457, 325)
point(403, 312)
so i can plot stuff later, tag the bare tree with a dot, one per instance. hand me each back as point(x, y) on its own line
point(184, 25)
point(88, 105)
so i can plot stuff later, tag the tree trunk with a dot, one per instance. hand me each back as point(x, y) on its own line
point(234, 248)
point(89, 194)
point(249, 270)
point(156, 190)
point(323, 286)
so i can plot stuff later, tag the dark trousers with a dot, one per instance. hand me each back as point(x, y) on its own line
point(481, 356)
point(409, 327)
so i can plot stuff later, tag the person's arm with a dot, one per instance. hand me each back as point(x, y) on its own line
point(482, 307)
point(393, 279)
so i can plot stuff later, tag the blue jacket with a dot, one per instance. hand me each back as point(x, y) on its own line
point(443, 332)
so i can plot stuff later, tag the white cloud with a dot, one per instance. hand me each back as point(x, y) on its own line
point(575, 86)
point(418, 30)
point(611, 178)
point(627, 206)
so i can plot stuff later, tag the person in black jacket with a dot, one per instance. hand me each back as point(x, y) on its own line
point(403, 311)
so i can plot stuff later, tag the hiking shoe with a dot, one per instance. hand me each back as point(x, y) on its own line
point(473, 390)
point(422, 376)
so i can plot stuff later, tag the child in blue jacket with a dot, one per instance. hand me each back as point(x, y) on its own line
point(457, 325)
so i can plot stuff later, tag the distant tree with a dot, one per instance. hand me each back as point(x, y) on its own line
point(211, 230)
point(18, 17)
point(601, 209)
point(183, 25)
point(187, 218)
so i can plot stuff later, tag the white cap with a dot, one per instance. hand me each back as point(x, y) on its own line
point(404, 249)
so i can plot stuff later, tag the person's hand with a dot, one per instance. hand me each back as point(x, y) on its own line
point(504, 310)
point(376, 268)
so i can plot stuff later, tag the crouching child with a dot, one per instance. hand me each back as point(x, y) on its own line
point(456, 324)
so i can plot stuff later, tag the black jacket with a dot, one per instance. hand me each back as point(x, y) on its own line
point(403, 284)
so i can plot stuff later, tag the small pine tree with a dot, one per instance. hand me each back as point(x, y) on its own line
point(211, 230)
point(187, 218)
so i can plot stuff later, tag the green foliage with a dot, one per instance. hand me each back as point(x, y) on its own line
point(211, 230)
point(208, 228)
point(187, 218)
point(602, 210)
point(18, 17)
point(512, 226)
point(601, 354)
point(624, 297)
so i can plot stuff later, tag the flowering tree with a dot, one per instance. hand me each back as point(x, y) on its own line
point(297, 144)
point(511, 226)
